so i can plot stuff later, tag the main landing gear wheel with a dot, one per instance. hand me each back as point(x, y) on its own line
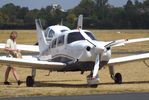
point(29, 81)
point(118, 78)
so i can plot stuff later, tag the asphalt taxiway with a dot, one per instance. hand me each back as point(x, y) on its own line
point(126, 96)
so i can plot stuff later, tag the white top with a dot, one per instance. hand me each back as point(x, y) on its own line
point(10, 44)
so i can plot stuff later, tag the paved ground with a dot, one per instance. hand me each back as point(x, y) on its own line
point(128, 96)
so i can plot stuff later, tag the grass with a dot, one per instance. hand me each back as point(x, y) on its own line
point(135, 75)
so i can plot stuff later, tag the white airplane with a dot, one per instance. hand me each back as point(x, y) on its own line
point(61, 49)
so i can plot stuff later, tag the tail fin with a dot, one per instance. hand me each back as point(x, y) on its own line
point(41, 36)
point(80, 22)
point(62, 21)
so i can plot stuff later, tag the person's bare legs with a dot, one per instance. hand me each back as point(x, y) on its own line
point(15, 73)
point(8, 69)
point(7, 73)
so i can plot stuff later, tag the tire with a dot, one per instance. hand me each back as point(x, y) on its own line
point(118, 78)
point(29, 81)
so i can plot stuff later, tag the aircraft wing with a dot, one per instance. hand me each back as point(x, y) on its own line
point(31, 62)
point(126, 59)
point(127, 41)
point(22, 47)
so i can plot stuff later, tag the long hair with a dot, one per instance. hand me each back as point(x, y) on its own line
point(11, 34)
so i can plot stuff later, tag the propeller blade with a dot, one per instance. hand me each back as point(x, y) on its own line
point(113, 43)
point(96, 66)
point(87, 37)
point(99, 48)
point(80, 22)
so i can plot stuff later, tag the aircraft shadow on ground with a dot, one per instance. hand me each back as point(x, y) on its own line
point(68, 85)
point(65, 85)
point(130, 82)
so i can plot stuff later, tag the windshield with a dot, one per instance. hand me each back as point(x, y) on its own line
point(90, 35)
point(74, 36)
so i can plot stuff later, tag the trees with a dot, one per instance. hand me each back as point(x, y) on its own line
point(97, 14)
point(86, 7)
point(101, 8)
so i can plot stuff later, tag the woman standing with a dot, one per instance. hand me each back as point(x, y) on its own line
point(11, 50)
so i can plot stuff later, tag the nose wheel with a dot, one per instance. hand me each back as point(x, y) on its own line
point(93, 82)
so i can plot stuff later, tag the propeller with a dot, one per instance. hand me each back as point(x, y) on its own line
point(99, 49)
point(98, 57)
point(96, 66)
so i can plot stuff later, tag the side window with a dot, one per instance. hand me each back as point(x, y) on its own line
point(50, 34)
point(47, 32)
point(54, 43)
point(61, 40)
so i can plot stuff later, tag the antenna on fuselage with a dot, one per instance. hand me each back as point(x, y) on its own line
point(80, 22)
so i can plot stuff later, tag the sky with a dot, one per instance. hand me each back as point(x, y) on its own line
point(66, 4)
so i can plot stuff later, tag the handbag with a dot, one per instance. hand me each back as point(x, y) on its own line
point(16, 54)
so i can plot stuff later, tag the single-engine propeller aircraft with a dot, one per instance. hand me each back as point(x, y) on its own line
point(61, 49)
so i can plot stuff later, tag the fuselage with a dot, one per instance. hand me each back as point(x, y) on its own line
point(72, 48)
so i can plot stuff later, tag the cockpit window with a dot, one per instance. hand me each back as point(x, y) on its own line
point(74, 36)
point(90, 35)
